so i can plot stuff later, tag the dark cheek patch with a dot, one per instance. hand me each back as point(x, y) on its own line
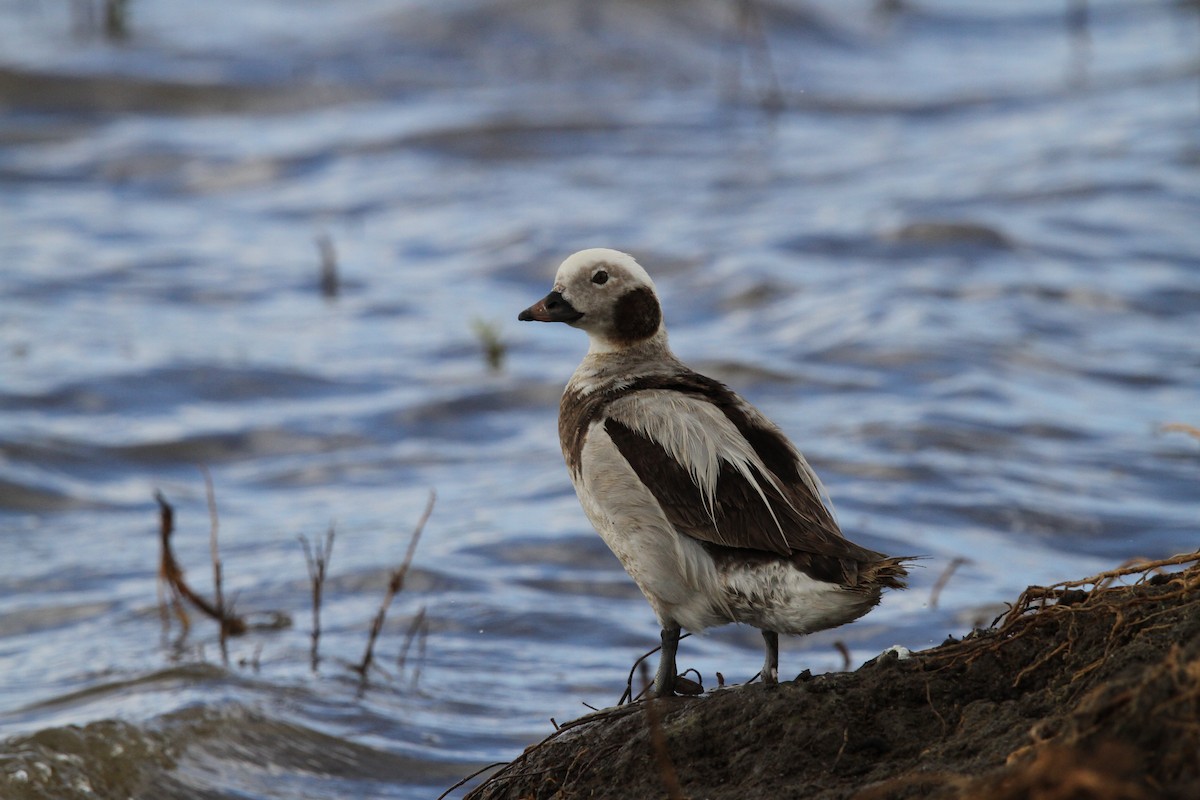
point(636, 316)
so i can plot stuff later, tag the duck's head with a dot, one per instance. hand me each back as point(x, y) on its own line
point(605, 293)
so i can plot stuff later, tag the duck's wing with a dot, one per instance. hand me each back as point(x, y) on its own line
point(723, 473)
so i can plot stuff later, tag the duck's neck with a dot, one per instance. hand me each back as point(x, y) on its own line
point(606, 364)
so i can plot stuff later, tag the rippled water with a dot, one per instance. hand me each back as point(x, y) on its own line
point(954, 250)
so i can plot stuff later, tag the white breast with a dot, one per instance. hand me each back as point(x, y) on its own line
point(674, 572)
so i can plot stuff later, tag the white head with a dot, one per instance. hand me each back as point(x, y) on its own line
point(605, 293)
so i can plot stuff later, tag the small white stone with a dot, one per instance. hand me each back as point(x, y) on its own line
point(902, 652)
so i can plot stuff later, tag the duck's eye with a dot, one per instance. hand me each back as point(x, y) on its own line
point(600, 278)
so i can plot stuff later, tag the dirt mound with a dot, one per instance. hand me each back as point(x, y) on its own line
point(1086, 689)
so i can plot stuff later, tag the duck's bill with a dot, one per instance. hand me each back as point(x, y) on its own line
point(551, 308)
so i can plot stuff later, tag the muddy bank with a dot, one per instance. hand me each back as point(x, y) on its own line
point(1087, 689)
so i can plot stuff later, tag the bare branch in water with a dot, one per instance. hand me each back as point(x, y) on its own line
point(330, 283)
point(214, 526)
point(753, 38)
point(170, 572)
point(418, 626)
point(944, 578)
point(317, 561)
point(170, 575)
point(395, 585)
point(1181, 427)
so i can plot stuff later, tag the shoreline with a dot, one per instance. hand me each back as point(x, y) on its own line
point(1085, 689)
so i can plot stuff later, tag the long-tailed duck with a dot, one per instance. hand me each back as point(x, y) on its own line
point(711, 510)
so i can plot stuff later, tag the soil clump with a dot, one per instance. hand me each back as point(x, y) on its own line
point(1086, 689)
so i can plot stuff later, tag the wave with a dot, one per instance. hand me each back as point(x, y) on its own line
point(228, 751)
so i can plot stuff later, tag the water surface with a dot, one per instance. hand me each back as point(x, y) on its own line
point(951, 250)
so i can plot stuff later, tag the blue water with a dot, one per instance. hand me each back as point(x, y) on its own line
point(954, 251)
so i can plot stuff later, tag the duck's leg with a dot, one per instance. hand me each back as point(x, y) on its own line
point(664, 680)
point(770, 670)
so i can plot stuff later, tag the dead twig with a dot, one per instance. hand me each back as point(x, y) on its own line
point(317, 560)
point(1041, 661)
point(1180, 427)
point(840, 646)
point(395, 585)
point(474, 774)
point(170, 572)
point(417, 629)
point(214, 551)
point(512, 770)
point(658, 741)
point(627, 695)
point(330, 283)
point(753, 37)
point(1046, 605)
point(1036, 596)
point(933, 708)
point(254, 662)
point(841, 750)
point(893, 787)
point(170, 575)
point(944, 578)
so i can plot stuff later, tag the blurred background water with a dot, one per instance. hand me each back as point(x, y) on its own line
point(953, 248)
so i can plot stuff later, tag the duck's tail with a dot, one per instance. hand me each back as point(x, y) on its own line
point(886, 573)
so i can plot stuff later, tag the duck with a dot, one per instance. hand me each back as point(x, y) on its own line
point(711, 510)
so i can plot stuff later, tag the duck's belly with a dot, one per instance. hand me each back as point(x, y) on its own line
point(776, 596)
point(675, 574)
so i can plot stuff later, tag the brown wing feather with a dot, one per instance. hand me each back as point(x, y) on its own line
point(739, 518)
